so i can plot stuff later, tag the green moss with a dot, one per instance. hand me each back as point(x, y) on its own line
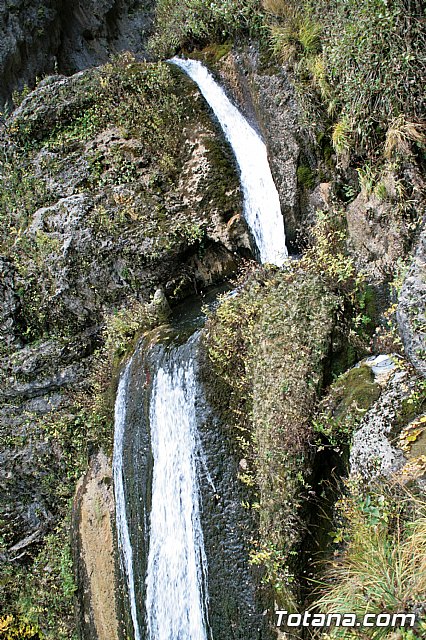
point(305, 177)
point(266, 394)
point(348, 399)
point(211, 54)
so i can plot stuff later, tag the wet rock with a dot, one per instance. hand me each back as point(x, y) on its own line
point(411, 308)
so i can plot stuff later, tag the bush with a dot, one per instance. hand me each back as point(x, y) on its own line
point(268, 396)
point(359, 62)
point(190, 23)
point(374, 51)
point(383, 566)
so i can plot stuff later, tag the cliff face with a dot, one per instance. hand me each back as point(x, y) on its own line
point(46, 36)
point(115, 183)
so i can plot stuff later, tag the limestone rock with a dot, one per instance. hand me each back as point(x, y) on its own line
point(373, 450)
point(378, 235)
point(412, 307)
point(9, 305)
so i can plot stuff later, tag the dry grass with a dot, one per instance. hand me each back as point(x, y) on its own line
point(401, 134)
point(381, 571)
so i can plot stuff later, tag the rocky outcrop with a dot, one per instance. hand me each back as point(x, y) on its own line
point(39, 37)
point(109, 223)
point(35, 383)
point(375, 450)
point(116, 185)
point(93, 532)
point(379, 235)
point(9, 305)
point(412, 308)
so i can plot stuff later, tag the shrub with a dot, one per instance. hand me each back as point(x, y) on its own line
point(181, 25)
point(268, 396)
point(370, 74)
point(383, 566)
point(374, 51)
point(294, 34)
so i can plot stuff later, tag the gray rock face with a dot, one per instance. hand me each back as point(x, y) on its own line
point(112, 224)
point(378, 235)
point(27, 461)
point(373, 452)
point(43, 36)
point(9, 304)
point(412, 308)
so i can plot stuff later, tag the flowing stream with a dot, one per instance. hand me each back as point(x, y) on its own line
point(170, 598)
point(262, 209)
point(123, 535)
point(177, 566)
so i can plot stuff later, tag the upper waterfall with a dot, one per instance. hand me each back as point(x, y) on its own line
point(262, 209)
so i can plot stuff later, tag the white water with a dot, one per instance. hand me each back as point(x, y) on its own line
point(262, 209)
point(177, 566)
point(124, 545)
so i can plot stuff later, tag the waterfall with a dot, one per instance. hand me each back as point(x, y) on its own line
point(176, 598)
point(262, 209)
point(124, 544)
point(167, 587)
point(177, 566)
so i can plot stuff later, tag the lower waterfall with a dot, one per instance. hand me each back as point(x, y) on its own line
point(177, 565)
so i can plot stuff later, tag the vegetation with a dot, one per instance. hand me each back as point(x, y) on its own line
point(347, 400)
point(192, 23)
point(38, 599)
point(380, 567)
point(360, 64)
point(250, 342)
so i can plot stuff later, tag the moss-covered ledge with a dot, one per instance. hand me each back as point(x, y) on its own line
point(266, 351)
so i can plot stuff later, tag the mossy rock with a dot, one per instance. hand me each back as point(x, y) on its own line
point(267, 351)
point(211, 54)
point(355, 389)
point(348, 399)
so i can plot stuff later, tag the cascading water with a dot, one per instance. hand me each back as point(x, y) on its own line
point(262, 209)
point(177, 566)
point(167, 588)
point(123, 535)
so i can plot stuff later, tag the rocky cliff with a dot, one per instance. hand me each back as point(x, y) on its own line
point(118, 197)
point(39, 38)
